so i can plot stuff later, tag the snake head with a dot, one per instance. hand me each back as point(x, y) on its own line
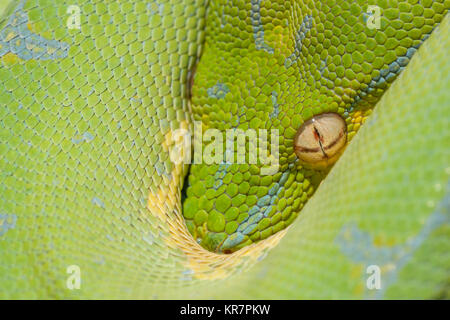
point(300, 76)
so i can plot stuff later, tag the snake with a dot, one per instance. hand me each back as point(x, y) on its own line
point(347, 100)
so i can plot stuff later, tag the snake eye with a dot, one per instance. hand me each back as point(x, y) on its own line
point(321, 140)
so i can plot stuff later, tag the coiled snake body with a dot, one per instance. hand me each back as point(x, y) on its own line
point(93, 92)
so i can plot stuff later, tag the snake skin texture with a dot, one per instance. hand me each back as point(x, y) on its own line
point(92, 93)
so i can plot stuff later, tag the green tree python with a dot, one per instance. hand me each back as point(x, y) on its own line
point(94, 94)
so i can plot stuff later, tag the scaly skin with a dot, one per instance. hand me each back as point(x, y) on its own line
point(86, 134)
point(277, 64)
